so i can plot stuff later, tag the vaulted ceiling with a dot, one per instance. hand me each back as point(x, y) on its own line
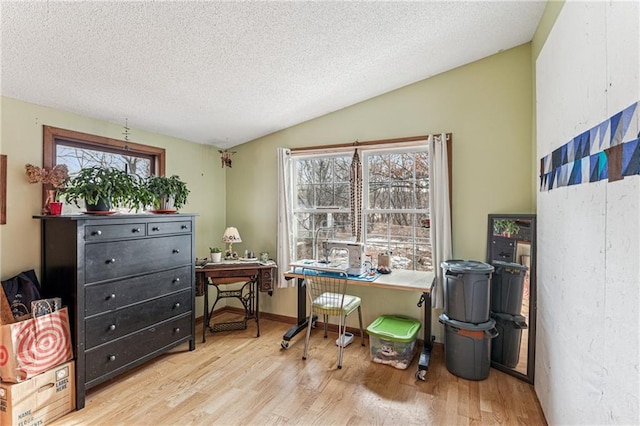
point(224, 73)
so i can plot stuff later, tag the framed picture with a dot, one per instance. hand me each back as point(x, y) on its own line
point(3, 189)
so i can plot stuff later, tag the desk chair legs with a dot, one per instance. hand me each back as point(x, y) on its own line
point(327, 296)
point(342, 327)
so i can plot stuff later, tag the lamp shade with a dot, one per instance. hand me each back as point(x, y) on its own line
point(231, 235)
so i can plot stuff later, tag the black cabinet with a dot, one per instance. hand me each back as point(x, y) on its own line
point(503, 249)
point(129, 283)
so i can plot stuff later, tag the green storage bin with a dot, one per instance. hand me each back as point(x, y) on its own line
point(392, 340)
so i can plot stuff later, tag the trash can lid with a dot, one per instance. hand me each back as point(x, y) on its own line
point(501, 264)
point(457, 265)
point(517, 321)
point(483, 326)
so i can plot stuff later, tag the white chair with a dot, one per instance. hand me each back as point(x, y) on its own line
point(327, 296)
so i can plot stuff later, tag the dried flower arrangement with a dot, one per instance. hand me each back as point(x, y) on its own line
point(56, 176)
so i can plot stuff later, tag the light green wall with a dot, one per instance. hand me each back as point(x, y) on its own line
point(21, 140)
point(486, 105)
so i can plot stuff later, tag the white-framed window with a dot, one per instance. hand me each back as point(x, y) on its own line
point(394, 204)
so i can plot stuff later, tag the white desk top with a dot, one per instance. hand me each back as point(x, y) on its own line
point(398, 279)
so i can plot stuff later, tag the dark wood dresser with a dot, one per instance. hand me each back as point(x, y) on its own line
point(129, 283)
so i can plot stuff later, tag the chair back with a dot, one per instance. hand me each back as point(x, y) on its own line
point(326, 291)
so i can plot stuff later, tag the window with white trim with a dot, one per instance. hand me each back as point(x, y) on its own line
point(394, 205)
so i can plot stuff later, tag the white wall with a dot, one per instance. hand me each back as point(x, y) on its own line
point(587, 361)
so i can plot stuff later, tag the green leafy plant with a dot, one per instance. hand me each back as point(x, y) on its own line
point(215, 250)
point(166, 189)
point(113, 187)
point(505, 226)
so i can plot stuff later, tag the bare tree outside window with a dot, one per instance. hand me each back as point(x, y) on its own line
point(395, 204)
point(81, 150)
point(80, 158)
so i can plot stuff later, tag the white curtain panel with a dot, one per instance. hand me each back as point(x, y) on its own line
point(285, 220)
point(440, 231)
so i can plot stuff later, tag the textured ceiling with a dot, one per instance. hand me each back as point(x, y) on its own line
point(224, 73)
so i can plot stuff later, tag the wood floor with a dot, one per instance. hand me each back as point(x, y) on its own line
point(238, 379)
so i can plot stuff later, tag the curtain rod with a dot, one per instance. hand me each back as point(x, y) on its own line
point(366, 143)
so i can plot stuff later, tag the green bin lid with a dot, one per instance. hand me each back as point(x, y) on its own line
point(457, 265)
point(394, 327)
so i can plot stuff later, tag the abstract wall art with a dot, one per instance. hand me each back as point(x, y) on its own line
point(609, 150)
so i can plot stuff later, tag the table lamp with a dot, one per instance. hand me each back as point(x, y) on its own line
point(231, 236)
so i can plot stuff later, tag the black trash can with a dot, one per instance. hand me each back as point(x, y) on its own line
point(467, 286)
point(505, 349)
point(507, 284)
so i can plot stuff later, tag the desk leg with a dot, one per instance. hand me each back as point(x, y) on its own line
point(256, 288)
point(205, 314)
point(425, 355)
point(302, 316)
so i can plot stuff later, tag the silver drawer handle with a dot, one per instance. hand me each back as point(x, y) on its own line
point(177, 280)
point(110, 261)
point(112, 327)
point(176, 251)
point(112, 357)
point(98, 232)
point(184, 227)
point(177, 305)
point(134, 230)
point(155, 228)
point(177, 329)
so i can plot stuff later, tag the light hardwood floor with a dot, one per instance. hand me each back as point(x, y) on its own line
point(238, 379)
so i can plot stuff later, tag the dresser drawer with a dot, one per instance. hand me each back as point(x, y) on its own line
point(112, 295)
point(109, 232)
point(115, 324)
point(503, 248)
point(161, 228)
point(266, 280)
point(119, 354)
point(115, 259)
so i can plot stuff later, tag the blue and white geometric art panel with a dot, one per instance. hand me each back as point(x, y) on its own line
point(585, 158)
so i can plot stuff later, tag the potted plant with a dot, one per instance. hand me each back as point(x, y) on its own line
point(169, 193)
point(216, 254)
point(102, 188)
point(506, 227)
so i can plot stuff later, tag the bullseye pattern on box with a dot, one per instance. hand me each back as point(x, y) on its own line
point(34, 345)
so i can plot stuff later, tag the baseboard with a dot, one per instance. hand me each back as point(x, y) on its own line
point(240, 311)
point(292, 320)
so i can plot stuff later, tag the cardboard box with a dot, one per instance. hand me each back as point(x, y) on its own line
point(34, 345)
point(39, 400)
